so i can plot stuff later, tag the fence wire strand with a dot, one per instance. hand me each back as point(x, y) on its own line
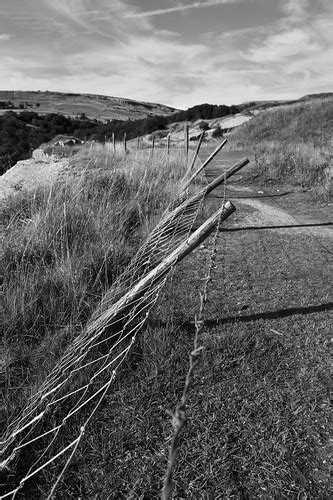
point(179, 418)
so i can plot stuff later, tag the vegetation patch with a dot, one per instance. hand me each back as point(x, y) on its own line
point(64, 247)
point(292, 144)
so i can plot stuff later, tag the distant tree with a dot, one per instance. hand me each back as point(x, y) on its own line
point(22, 105)
point(37, 104)
point(204, 126)
point(218, 132)
point(234, 110)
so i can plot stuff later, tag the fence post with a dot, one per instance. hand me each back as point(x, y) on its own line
point(113, 143)
point(201, 138)
point(186, 139)
point(168, 143)
point(223, 143)
point(125, 143)
point(152, 147)
point(138, 143)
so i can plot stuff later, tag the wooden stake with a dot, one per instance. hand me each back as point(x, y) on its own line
point(125, 143)
point(152, 148)
point(217, 150)
point(180, 207)
point(197, 150)
point(113, 143)
point(168, 143)
point(168, 263)
point(186, 138)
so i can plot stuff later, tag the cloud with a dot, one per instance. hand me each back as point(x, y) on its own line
point(112, 47)
point(5, 36)
point(296, 9)
point(284, 45)
point(108, 19)
point(182, 7)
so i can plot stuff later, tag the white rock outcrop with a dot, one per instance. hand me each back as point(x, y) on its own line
point(40, 170)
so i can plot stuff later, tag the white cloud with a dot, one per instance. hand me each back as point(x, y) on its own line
point(111, 47)
point(284, 45)
point(107, 18)
point(182, 7)
point(296, 9)
point(5, 36)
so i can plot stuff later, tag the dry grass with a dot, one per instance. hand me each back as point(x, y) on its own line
point(301, 164)
point(66, 245)
point(292, 143)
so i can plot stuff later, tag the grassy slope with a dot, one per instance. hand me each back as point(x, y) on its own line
point(94, 106)
point(292, 143)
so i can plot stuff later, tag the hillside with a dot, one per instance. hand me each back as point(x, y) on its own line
point(307, 120)
point(22, 132)
point(98, 107)
point(254, 107)
point(293, 144)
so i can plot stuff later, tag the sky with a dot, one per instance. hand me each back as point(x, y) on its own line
point(176, 52)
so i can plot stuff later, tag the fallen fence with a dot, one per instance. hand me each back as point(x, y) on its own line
point(58, 414)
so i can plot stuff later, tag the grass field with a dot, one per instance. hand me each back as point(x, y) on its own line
point(258, 412)
point(98, 107)
point(292, 144)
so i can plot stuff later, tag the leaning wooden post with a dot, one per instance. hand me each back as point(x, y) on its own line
point(202, 135)
point(217, 150)
point(138, 143)
point(168, 144)
point(181, 206)
point(113, 143)
point(160, 271)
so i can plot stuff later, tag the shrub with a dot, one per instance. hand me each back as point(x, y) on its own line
point(204, 126)
point(217, 132)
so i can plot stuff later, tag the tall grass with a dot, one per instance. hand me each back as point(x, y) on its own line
point(65, 245)
point(292, 143)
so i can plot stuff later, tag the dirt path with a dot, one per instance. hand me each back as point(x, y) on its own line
point(261, 207)
point(268, 215)
point(275, 251)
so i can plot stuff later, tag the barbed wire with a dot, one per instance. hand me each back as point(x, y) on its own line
point(179, 418)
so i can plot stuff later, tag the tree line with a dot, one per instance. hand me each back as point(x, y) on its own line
point(21, 133)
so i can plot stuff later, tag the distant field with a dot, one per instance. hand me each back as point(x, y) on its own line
point(98, 107)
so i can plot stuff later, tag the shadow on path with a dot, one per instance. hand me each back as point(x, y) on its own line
point(282, 226)
point(267, 315)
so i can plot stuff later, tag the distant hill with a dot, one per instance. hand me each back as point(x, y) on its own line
point(99, 107)
point(257, 106)
point(322, 95)
point(307, 120)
